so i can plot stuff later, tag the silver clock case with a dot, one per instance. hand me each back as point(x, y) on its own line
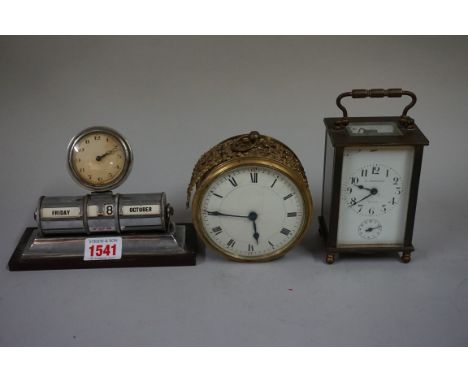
point(176, 247)
point(170, 242)
point(127, 152)
point(143, 221)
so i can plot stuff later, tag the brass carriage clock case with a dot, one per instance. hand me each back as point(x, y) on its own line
point(251, 150)
point(372, 167)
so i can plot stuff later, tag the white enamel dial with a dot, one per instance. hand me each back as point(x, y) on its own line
point(252, 212)
point(370, 229)
point(373, 190)
point(374, 195)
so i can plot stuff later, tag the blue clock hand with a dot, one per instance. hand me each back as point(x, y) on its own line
point(217, 213)
point(253, 216)
point(256, 235)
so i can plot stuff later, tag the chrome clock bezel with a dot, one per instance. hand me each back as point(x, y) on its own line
point(128, 160)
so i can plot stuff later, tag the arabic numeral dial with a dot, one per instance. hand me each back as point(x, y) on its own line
point(370, 229)
point(372, 190)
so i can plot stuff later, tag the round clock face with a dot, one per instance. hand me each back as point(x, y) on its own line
point(252, 213)
point(373, 190)
point(99, 158)
point(370, 229)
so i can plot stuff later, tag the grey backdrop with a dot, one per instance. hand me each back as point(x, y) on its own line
point(176, 97)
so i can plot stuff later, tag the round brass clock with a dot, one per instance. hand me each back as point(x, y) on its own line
point(252, 200)
point(99, 158)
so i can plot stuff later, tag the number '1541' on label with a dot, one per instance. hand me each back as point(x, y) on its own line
point(103, 248)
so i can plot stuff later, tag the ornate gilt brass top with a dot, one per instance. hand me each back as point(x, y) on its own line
point(252, 145)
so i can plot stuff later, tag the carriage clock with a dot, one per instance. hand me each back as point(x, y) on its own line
point(84, 231)
point(370, 182)
point(252, 201)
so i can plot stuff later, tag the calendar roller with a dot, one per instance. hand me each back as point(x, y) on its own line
point(99, 213)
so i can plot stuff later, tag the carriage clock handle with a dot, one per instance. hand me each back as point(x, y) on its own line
point(377, 93)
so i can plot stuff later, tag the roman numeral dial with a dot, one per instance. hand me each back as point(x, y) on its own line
point(252, 212)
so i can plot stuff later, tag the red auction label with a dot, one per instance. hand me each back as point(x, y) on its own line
point(103, 248)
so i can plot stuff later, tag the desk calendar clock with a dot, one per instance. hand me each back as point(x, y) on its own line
point(371, 177)
point(103, 229)
point(252, 200)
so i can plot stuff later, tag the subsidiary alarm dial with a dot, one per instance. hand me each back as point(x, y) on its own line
point(370, 229)
point(99, 158)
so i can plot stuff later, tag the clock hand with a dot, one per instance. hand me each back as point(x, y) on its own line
point(99, 157)
point(217, 213)
point(360, 200)
point(256, 235)
point(373, 191)
point(370, 229)
point(253, 216)
point(361, 187)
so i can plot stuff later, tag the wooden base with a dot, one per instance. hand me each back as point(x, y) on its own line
point(34, 252)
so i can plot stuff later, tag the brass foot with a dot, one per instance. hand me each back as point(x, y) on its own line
point(330, 258)
point(406, 258)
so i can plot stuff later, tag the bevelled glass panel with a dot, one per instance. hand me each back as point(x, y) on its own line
point(373, 129)
point(328, 180)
